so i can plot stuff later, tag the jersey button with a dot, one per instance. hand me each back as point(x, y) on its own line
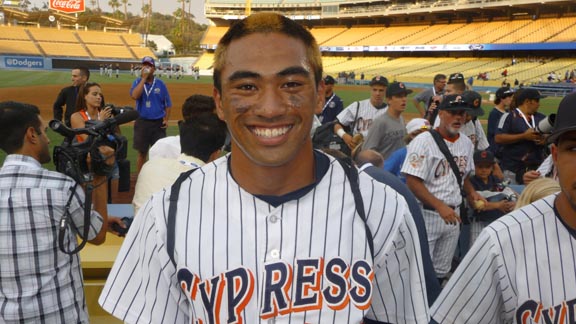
point(275, 254)
point(273, 219)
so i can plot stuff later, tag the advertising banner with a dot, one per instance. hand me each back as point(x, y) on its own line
point(23, 62)
point(67, 6)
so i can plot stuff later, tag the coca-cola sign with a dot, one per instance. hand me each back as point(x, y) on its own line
point(69, 6)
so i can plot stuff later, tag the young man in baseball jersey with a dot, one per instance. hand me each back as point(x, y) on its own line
point(270, 232)
point(521, 267)
point(360, 115)
point(431, 179)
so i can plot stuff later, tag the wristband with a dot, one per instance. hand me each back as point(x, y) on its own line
point(340, 133)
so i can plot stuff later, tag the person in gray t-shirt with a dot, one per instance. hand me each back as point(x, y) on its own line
point(388, 130)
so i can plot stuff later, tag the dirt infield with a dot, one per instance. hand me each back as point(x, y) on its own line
point(44, 96)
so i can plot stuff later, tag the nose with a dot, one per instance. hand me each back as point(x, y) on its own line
point(271, 103)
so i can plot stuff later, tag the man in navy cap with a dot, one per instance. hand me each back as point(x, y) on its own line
point(523, 147)
point(333, 104)
point(153, 103)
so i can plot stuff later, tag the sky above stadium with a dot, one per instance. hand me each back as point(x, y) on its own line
point(163, 6)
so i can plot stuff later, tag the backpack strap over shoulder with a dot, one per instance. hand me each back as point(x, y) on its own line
point(172, 209)
point(352, 175)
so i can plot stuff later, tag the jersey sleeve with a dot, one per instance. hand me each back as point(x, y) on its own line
point(479, 289)
point(399, 286)
point(418, 157)
point(346, 117)
point(481, 136)
point(504, 124)
point(167, 99)
point(142, 285)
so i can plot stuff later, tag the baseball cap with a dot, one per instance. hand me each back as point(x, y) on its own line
point(417, 124)
point(455, 102)
point(148, 60)
point(528, 93)
point(565, 118)
point(329, 80)
point(484, 156)
point(504, 92)
point(474, 100)
point(455, 78)
point(379, 80)
point(397, 88)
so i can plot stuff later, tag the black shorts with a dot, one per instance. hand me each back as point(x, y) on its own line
point(146, 133)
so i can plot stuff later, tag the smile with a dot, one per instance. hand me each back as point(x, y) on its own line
point(270, 132)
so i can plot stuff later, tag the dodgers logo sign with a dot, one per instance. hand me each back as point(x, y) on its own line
point(24, 62)
point(68, 6)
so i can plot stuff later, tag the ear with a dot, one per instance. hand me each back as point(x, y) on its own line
point(218, 101)
point(31, 136)
point(554, 152)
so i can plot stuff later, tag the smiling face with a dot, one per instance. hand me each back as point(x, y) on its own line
point(268, 98)
point(78, 78)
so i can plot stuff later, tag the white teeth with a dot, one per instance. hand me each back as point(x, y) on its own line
point(271, 132)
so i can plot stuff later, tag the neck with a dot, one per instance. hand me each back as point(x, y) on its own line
point(501, 107)
point(275, 181)
point(447, 135)
point(329, 94)
point(566, 209)
point(524, 110)
point(393, 112)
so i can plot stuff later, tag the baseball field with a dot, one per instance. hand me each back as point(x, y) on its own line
point(41, 88)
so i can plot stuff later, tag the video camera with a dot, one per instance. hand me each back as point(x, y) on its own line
point(70, 158)
point(118, 110)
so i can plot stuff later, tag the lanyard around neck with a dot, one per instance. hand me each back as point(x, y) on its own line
point(328, 101)
point(526, 120)
point(148, 91)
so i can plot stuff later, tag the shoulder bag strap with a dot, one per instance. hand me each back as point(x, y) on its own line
point(444, 149)
point(352, 175)
point(172, 209)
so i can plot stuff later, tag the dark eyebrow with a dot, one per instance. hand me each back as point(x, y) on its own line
point(243, 75)
point(294, 70)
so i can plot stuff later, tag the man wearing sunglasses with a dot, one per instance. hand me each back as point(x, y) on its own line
point(523, 147)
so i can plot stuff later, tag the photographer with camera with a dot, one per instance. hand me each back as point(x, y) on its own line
point(38, 281)
point(523, 145)
point(153, 103)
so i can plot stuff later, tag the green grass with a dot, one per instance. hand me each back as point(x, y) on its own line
point(348, 94)
point(13, 78)
point(56, 139)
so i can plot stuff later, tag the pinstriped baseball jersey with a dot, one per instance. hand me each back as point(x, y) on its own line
point(366, 116)
point(425, 161)
point(520, 270)
point(242, 260)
